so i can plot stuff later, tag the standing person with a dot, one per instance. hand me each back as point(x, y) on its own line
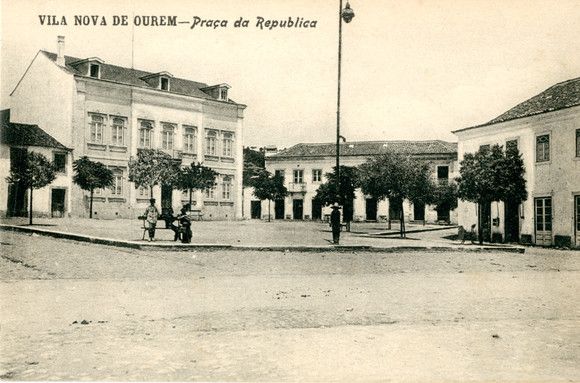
point(335, 223)
point(151, 215)
point(185, 224)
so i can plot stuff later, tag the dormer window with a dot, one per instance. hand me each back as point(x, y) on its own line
point(224, 94)
point(164, 83)
point(95, 71)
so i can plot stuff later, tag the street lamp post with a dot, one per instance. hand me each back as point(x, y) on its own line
point(345, 14)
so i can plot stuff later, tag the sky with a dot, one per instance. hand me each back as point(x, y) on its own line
point(411, 70)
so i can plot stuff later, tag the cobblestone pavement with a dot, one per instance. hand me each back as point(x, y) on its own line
point(75, 311)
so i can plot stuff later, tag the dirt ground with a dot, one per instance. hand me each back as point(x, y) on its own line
point(76, 311)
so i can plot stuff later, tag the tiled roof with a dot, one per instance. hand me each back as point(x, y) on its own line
point(25, 134)
point(560, 96)
point(134, 77)
point(368, 148)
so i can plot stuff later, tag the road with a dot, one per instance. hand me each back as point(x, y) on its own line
point(74, 311)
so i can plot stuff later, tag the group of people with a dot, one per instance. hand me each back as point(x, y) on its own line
point(182, 230)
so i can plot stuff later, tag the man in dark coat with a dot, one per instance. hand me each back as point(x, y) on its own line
point(335, 223)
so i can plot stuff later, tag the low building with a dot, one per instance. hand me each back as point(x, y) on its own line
point(546, 130)
point(108, 113)
point(16, 141)
point(304, 167)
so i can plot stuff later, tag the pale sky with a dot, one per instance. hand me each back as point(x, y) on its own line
point(413, 69)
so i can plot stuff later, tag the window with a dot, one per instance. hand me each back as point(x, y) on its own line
point(543, 148)
point(164, 83)
point(189, 139)
point(97, 123)
point(227, 187)
point(577, 142)
point(442, 174)
point(145, 130)
point(117, 187)
point(59, 161)
point(167, 136)
point(210, 193)
point(94, 71)
point(118, 131)
point(298, 176)
point(210, 142)
point(143, 192)
point(544, 214)
point(224, 94)
point(279, 173)
point(228, 144)
point(317, 175)
point(511, 145)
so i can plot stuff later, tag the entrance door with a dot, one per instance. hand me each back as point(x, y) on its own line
point(371, 209)
point(316, 209)
point(279, 209)
point(577, 219)
point(543, 221)
point(256, 209)
point(512, 222)
point(419, 211)
point(297, 209)
point(394, 210)
point(57, 203)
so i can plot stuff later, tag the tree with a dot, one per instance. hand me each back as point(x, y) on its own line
point(91, 175)
point(270, 187)
point(37, 172)
point(445, 196)
point(153, 167)
point(254, 165)
point(490, 175)
point(349, 182)
point(397, 177)
point(196, 177)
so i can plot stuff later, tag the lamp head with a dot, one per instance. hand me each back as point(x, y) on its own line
point(347, 13)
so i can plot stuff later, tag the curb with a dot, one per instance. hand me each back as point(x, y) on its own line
point(156, 246)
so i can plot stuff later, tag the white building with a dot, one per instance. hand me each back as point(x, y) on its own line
point(108, 113)
point(546, 130)
point(304, 167)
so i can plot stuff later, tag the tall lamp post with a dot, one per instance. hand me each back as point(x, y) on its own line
point(345, 14)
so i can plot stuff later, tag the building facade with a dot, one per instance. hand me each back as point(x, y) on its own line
point(304, 167)
point(16, 142)
point(546, 131)
point(108, 113)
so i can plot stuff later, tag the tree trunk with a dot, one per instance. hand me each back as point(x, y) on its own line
point(91, 205)
point(151, 191)
point(190, 192)
point(403, 235)
point(30, 213)
point(480, 223)
point(269, 214)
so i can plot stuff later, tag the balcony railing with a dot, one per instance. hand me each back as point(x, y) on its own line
point(297, 187)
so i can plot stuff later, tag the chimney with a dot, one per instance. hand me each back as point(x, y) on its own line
point(60, 51)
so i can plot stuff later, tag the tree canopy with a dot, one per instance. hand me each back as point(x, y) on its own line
point(90, 175)
point(153, 167)
point(196, 177)
point(254, 165)
point(36, 172)
point(349, 182)
point(397, 177)
point(269, 187)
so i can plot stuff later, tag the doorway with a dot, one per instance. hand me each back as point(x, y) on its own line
point(419, 211)
point(543, 213)
point(297, 209)
point(279, 209)
point(17, 192)
point(166, 202)
point(577, 219)
point(316, 209)
point(394, 210)
point(256, 209)
point(512, 222)
point(371, 209)
point(57, 202)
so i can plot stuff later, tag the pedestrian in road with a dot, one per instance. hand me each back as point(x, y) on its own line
point(151, 215)
point(185, 224)
point(335, 223)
